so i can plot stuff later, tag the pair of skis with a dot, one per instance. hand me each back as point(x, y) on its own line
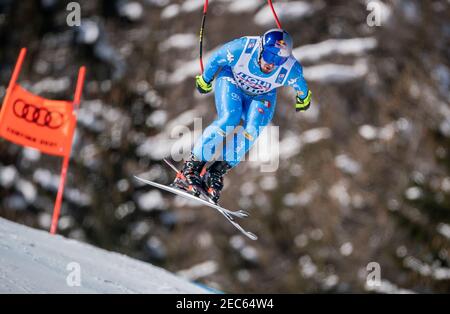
point(230, 215)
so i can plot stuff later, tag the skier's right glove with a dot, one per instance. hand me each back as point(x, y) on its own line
point(201, 84)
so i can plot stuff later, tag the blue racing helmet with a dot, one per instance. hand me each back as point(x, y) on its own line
point(276, 46)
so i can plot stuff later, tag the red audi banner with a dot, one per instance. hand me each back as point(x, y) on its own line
point(44, 124)
point(33, 121)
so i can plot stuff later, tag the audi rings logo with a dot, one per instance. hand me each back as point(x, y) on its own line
point(40, 116)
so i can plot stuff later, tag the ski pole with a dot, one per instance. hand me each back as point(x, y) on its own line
point(274, 14)
point(202, 27)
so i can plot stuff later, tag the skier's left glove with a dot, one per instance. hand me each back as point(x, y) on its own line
point(303, 104)
point(202, 86)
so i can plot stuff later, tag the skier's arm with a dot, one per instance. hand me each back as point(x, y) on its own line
point(227, 55)
point(297, 81)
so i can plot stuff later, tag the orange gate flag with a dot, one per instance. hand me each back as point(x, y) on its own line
point(47, 125)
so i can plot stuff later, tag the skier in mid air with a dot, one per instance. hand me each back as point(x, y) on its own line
point(250, 69)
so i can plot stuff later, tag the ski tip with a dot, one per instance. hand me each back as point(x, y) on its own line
point(243, 213)
point(141, 180)
point(137, 178)
point(252, 236)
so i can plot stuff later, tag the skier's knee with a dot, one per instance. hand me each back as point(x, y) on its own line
point(228, 123)
point(232, 120)
point(251, 136)
point(251, 133)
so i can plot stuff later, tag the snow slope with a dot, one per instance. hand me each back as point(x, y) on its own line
point(33, 261)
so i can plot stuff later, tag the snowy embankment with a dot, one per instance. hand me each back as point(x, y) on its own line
point(33, 261)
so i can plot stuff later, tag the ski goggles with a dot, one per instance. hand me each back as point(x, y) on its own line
point(271, 57)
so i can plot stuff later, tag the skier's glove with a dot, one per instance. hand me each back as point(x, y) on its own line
point(303, 104)
point(201, 85)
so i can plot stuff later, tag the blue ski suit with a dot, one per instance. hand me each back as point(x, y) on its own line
point(243, 91)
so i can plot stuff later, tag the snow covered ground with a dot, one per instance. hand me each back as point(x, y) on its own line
point(33, 261)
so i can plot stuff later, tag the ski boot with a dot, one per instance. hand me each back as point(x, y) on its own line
point(213, 179)
point(189, 179)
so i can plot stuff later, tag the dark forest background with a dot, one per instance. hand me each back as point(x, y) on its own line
point(364, 176)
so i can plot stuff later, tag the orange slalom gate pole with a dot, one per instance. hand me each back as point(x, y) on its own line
point(79, 88)
point(65, 165)
point(59, 196)
point(14, 77)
